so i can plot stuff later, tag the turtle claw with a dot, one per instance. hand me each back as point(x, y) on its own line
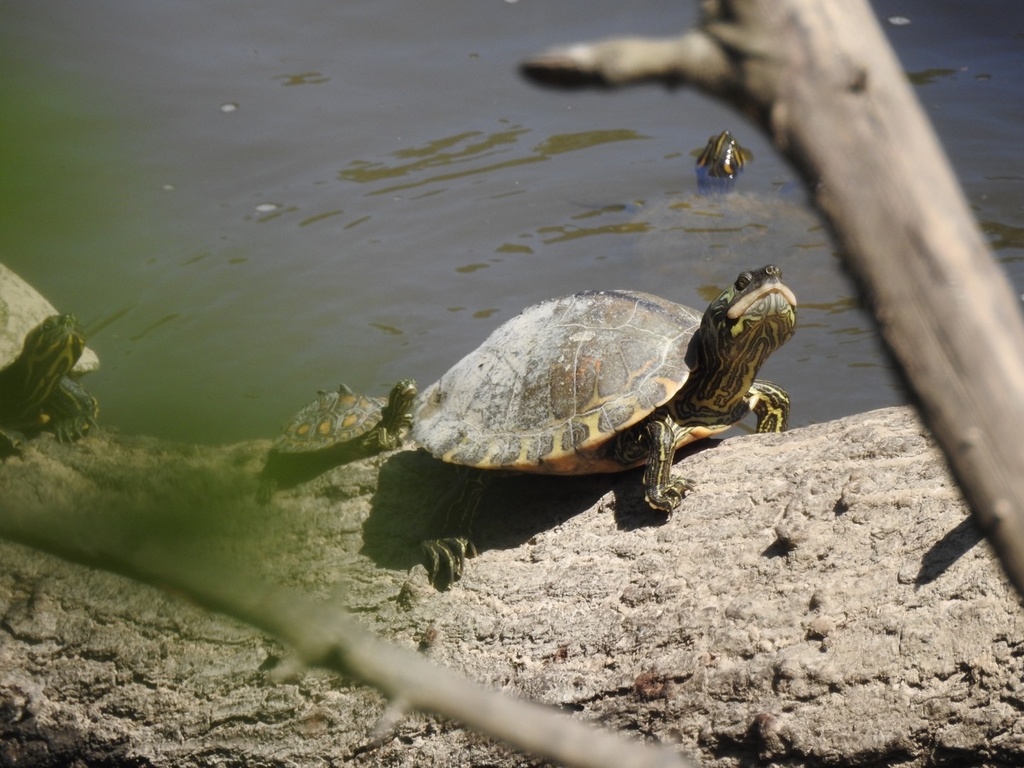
point(669, 498)
point(74, 411)
point(72, 429)
point(445, 559)
point(11, 441)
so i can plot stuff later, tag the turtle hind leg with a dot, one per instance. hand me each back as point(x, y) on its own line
point(445, 556)
point(445, 559)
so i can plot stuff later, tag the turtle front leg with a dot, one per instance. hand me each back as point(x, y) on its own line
point(395, 419)
point(771, 404)
point(663, 492)
point(73, 411)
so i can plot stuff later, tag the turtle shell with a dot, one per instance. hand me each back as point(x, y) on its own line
point(548, 389)
point(333, 418)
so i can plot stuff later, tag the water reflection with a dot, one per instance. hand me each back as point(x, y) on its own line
point(513, 248)
point(431, 155)
point(153, 326)
point(1002, 237)
point(567, 233)
point(99, 325)
point(572, 142)
point(930, 76)
point(468, 148)
point(303, 78)
point(270, 211)
point(321, 217)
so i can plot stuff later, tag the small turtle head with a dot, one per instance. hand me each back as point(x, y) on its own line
point(50, 351)
point(719, 164)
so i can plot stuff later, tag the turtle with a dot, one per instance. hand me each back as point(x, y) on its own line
point(604, 381)
point(36, 390)
point(339, 422)
point(339, 417)
point(720, 163)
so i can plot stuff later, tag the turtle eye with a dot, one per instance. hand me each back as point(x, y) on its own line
point(743, 280)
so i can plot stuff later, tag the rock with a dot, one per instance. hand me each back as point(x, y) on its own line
point(821, 598)
point(22, 308)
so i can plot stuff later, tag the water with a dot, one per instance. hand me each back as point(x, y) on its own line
point(245, 207)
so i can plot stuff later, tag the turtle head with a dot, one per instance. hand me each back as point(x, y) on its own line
point(746, 323)
point(50, 351)
point(719, 164)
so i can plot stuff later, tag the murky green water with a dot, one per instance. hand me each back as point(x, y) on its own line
point(247, 204)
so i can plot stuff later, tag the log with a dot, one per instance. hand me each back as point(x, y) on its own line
point(823, 597)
